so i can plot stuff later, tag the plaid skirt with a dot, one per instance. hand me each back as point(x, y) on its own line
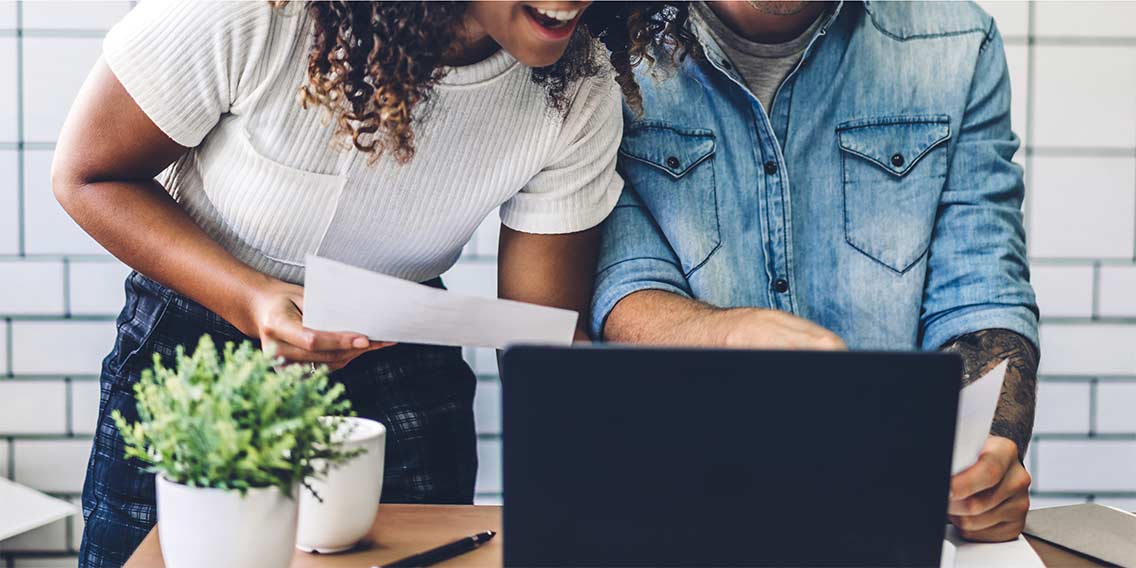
point(422, 394)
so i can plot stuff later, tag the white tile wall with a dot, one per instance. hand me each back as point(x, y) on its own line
point(99, 287)
point(61, 65)
point(1067, 218)
point(72, 15)
point(1063, 408)
point(1062, 465)
point(1084, 96)
point(52, 465)
point(1085, 19)
point(48, 229)
point(1077, 349)
point(31, 287)
point(84, 406)
point(1077, 121)
point(65, 347)
point(9, 203)
point(1118, 291)
point(1116, 408)
point(38, 411)
point(1063, 290)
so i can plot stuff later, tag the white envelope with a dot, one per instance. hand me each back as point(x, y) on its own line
point(340, 297)
point(977, 403)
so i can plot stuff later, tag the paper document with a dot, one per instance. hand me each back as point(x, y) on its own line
point(23, 509)
point(1099, 531)
point(1017, 553)
point(340, 297)
point(977, 402)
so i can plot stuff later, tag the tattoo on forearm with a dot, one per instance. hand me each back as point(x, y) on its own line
point(982, 351)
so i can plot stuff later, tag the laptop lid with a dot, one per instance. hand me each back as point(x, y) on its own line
point(640, 456)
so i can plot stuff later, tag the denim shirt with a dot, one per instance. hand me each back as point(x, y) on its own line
point(876, 198)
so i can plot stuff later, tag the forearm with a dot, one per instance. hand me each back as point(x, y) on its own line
point(138, 222)
point(656, 317)
point(982, 351)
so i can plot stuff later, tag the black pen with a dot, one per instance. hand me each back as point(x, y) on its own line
point(442, 553)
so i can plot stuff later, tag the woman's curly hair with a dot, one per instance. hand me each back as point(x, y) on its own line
point(374, 65)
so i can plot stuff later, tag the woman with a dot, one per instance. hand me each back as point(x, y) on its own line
point(414, 120)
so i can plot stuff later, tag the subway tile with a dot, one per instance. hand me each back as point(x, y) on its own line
point(60, 347)
point(31, 287)
point(1085, 465)
point(1063, 290)
point(48, 538)
point(4, 447)
point(1118, 291)
point(487, 407)
point(33, 407)
point(8, 107)
point(1084, 97)
point(47, 227)
point(489, 466)
point(1062, 407)
point(473, 278)
point(8, 15)
point(84, 406)
point(1017, 60)
point(52, 465)
point(60, 65)
point(1069, 213)
point(97, 287)
point(9, 203)
point(70, 15)
point(1088, 349)
point(1116, 409)
point(1085, 19)
point(1011, 17)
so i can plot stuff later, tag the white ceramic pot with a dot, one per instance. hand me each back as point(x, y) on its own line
point(221, 528)
point(350, 493)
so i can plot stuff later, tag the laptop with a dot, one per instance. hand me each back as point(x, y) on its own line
point(617, 456)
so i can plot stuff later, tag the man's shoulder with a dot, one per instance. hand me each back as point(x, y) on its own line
point(904, 21)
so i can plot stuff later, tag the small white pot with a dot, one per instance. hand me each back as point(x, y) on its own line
point(221, 529)
point(350, 493)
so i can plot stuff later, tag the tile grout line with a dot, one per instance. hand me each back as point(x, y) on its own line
point(21, 222)
point(1095, 306)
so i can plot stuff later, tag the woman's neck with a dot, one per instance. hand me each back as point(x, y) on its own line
point(474, 45)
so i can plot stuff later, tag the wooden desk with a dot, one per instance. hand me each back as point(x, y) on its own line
point(402, 530)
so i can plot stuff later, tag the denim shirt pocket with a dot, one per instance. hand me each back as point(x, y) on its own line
point(893, 171)
point(671, 168)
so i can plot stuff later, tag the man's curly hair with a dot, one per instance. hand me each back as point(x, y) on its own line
point(374, 65)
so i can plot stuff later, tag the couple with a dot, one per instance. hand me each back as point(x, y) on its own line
point(772, 175)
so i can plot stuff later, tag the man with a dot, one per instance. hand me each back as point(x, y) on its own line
point(827, 174)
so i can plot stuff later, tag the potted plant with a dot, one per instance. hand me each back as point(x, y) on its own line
point(231, 437)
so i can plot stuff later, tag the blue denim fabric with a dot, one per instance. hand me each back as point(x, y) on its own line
point(422, 394)
point(876, 198)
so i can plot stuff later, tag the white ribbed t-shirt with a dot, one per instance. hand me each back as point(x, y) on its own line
point(265, 180)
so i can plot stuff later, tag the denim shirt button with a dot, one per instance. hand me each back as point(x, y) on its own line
point(781, 285)
point(770, 167)
point(897, 160)
point(672, 163)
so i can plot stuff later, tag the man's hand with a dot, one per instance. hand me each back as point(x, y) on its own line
point(756, 328)
point(989, 500)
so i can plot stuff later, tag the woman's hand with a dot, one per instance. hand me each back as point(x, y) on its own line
point(277, 316)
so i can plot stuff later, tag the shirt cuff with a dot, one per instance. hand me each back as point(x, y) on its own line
point(614, 283)
point(1018, 319)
